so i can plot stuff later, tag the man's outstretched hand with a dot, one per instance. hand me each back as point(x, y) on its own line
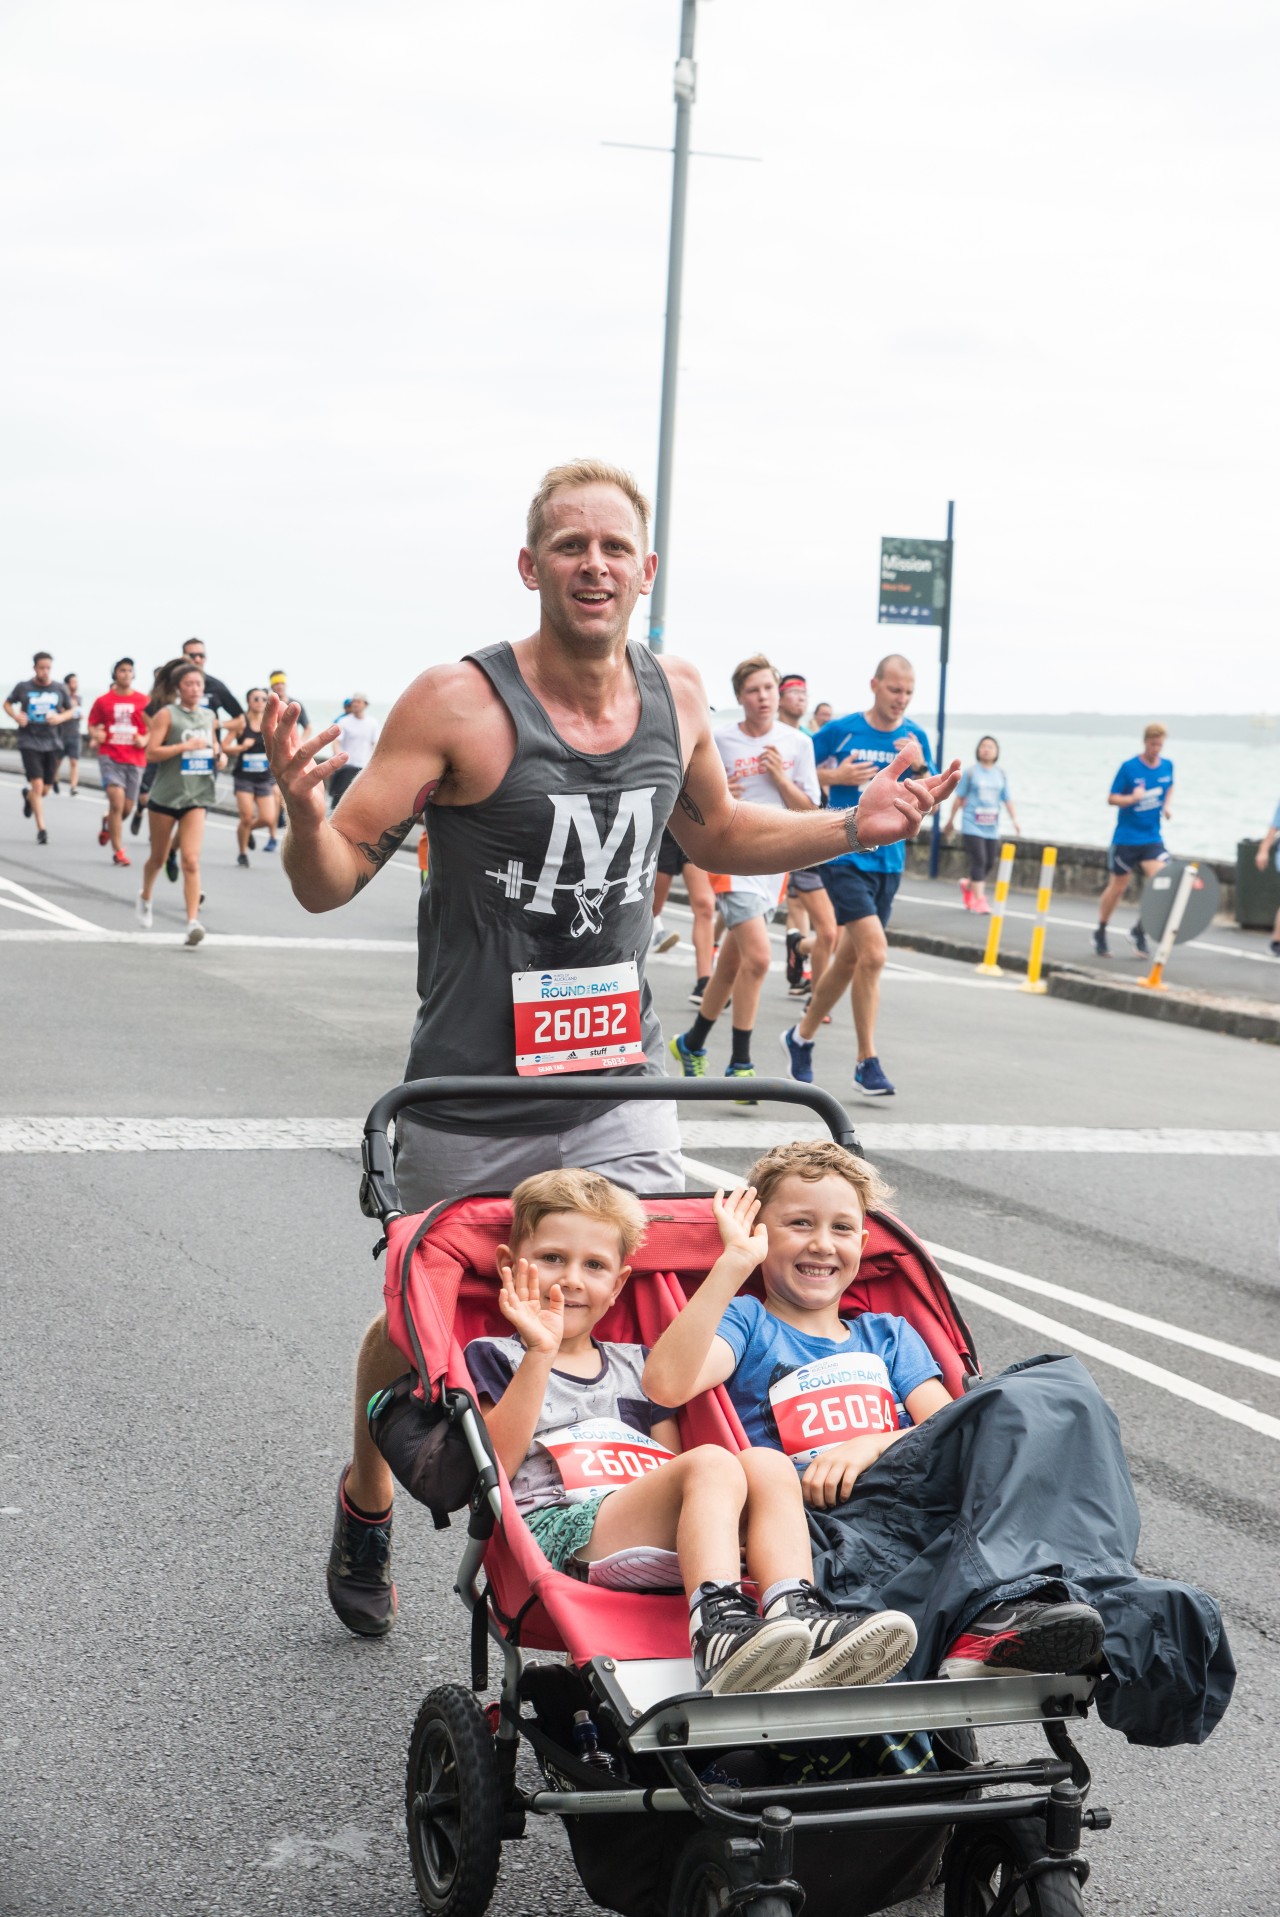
point(293, 763)
point(893, 808)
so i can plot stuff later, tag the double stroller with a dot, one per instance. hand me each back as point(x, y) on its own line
point(677, 1801)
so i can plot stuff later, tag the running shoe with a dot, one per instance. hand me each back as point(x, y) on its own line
point(966, 893)
point(1139, 938)
point(195, 932)
point(171, 868)
point(799, 1053)
point(26, 801)
point(1100, 942)
point(242, 858)
point(1027, 1635)
point(359, 1573)
point(663, 941)
point(870, 1079)
point(795, 964)
point(735, 1649)
point(699, 987)
point(42, 837)
point(271, 843)
point(692, 1064)
point(120, 858)
point(143, 909)
point(847, 1647)
point(135, 823)
point(104, 833)
point(980, 905)
point(1275, 948)
point(741, 1071)
point(253, 843)
point(57, 788)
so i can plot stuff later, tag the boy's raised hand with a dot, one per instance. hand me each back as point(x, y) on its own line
point(745, 1240)
point(537, 1321)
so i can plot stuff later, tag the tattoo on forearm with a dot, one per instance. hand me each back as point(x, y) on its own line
point(687, 805)
point(392, 839)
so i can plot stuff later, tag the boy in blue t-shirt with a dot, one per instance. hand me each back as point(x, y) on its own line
point(861, 885)
point(1141, 793)
point(834, 1393)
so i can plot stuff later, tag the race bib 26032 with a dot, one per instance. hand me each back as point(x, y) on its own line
point(830, 1401)
point(581, 1019)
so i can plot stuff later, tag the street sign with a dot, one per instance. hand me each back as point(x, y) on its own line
point(1158, 895)
point(913, 581)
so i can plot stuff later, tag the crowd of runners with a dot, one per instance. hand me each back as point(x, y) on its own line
point(159, 755)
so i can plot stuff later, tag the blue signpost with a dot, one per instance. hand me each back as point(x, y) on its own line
point(915, 589)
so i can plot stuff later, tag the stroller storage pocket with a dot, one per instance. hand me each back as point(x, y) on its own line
point(424, 1448)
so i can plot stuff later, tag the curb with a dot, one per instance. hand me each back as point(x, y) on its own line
point(1238, 1018)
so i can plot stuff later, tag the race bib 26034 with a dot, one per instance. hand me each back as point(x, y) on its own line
point(830, 1401)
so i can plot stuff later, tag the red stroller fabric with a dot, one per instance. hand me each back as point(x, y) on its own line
point(449, 1296)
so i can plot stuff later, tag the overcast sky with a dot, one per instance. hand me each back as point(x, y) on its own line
point(297, 301)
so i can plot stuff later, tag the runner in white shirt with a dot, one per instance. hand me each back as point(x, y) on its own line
point(357, 736)
point(770, 763)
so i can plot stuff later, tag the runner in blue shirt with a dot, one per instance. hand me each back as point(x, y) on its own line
point(1141, 792)
point(861, 885)
point(982, 790)
point(1271, 844)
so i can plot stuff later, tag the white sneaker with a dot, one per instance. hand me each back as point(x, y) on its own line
point(195, 932)
point(143, 909)
point(662, 941)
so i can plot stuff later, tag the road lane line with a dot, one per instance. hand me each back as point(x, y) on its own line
point(99, 935)
point(44, 908)
point(1172, 1381)
point(1152, 1141)
point(1102, 1308)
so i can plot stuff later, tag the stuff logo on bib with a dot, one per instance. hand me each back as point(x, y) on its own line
point(583, 879)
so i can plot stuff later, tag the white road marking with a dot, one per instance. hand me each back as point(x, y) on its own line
point(99, 935)
point(24, 901)
point(755, 1134)
point(179, 1134)
point(1204, 945)
point(1171, 1381)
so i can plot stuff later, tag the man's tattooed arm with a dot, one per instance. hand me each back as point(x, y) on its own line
point(391, 840)
point(687, 805)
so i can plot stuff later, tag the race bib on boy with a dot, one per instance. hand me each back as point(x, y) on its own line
point(582, 1019)
point(830, 1401)
point(254, 762)
point(601, 1455)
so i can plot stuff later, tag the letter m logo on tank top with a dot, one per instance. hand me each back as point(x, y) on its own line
point(574, 821)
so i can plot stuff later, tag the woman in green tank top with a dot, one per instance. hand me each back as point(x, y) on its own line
point(183, 744)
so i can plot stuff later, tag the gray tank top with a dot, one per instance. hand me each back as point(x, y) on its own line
point(555, 869)
point(187, 779)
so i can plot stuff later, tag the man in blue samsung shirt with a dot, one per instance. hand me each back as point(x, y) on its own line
point(861, 885)
point(1141, 793)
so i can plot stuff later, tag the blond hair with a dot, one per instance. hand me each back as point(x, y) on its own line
point(756, 663)
point(815, 1158)
point(583, 472)
point(1155, 731)
point(585, 1192)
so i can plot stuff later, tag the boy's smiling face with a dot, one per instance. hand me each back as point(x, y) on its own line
point(816, 1238)
point(583, 1256)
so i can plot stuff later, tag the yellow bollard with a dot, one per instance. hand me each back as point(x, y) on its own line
point(1003, 877)
point(1048, 866)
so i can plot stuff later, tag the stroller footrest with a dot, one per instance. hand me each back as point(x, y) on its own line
point(656, 1707)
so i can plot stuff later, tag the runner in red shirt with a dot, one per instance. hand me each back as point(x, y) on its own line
point(118, 727)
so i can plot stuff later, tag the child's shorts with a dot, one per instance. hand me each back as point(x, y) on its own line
point(563, 1529)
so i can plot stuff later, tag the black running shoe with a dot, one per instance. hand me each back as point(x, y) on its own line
point(735, 1649)
point(171, 868)
point(26, 802)
point(42, 837)
point(699, 987)
point(1100, 942)
point(1139, 938)
point(359, 1574)
point(847, 1647)
point(135, 823)
point(795, 961)
point(1027, 1635)
point(242, 858)
point(253, 843)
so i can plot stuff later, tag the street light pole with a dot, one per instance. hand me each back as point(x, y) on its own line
point(685, 89)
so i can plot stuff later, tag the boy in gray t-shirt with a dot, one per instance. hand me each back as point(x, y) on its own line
point(597, 1470)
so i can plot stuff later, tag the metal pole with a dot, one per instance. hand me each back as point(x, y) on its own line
point(685, 90)
point(944, 653)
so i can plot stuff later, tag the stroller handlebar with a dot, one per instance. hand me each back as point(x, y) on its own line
point(380, 1199)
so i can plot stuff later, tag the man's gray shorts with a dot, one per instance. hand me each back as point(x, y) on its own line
point(739, 908)
point(806, 880)
point(637, 1145)
point(127, 776)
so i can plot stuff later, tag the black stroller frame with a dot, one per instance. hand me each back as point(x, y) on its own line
point(1012, 1830)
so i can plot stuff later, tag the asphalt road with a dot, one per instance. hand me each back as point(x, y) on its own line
point(185, 1725)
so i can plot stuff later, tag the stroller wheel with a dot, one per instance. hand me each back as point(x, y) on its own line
point(982, 1865)
point(701, 1885)
point(453, 1804)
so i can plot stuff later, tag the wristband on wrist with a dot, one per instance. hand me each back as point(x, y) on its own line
point(851, 830)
